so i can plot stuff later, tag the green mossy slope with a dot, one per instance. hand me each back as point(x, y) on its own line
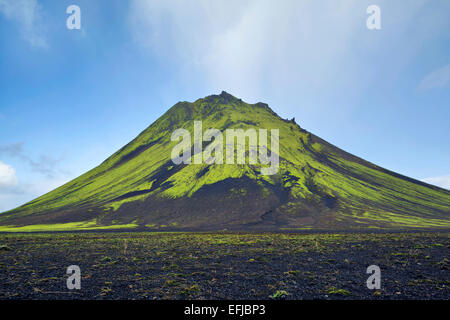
point(318, 186)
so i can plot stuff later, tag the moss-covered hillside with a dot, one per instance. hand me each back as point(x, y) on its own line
point(318, 186)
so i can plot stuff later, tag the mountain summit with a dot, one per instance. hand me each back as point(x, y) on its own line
point(316, 186)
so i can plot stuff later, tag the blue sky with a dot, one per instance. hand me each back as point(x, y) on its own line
point(70, 98)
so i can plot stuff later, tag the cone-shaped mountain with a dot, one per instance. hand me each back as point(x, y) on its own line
point(317, 186)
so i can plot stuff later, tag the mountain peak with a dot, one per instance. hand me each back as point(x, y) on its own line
point(229, 97)
point(223, 98)
point(317, 186)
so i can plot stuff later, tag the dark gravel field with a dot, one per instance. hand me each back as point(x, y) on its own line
point(224, 266)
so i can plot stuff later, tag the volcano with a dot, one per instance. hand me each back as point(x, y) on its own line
point(317, 185)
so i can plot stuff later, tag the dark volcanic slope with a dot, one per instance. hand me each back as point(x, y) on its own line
point(317, 186)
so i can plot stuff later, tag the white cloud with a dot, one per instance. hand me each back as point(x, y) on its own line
point(8, 177)
point(13, 196)
point(245, 46)
point(44, 164)
point(14, 193)
point(443, 181)
point(436, 79)
point(27, 13)
point(261, 48)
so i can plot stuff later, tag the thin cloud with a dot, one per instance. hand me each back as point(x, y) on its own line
point(13, 192)
point(15, 195)
point(45, 164)
point(256, 49)
point(443, 181)
point(28, 15)
point(245, 46)
point(436, 79)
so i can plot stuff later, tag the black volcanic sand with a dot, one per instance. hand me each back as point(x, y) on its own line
point(224, 266)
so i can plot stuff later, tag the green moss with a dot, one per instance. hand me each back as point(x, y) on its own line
point(71, 226)
point(279, 294)
point(341, 292)
point(309, 172)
